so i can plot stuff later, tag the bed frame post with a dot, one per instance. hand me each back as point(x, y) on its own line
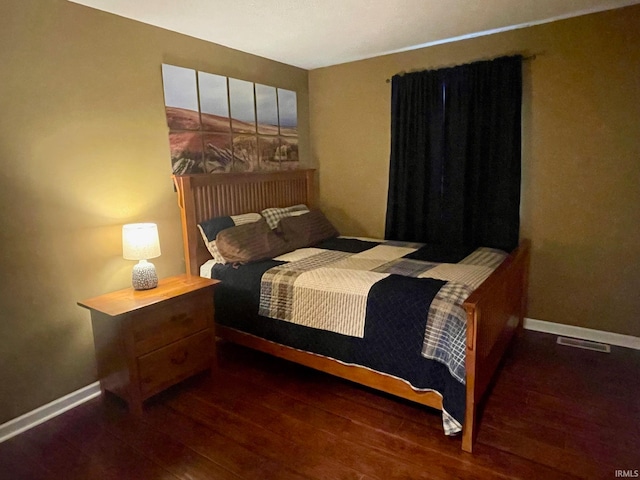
point(188, 219)
point(469, 428)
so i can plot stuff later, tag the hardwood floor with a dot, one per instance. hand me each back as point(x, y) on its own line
point(554, 412)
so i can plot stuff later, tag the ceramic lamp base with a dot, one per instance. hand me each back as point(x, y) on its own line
point(144, 276)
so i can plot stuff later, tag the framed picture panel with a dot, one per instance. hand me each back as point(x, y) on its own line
point(219, 124)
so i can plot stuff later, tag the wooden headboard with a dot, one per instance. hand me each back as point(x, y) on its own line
point(204, 196)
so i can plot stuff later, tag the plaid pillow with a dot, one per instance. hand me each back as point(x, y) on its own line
point(209, 230)
point(274, 215)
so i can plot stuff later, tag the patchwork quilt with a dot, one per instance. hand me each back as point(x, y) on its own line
point(329, 290)
point(380, 304)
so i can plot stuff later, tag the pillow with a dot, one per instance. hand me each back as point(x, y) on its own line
point(249, 243)
point(307, 229)
point(274, 215)
point(209, 230)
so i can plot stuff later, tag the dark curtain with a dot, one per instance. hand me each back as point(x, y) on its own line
point(455, 155)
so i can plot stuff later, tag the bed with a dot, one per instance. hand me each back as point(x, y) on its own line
point(494, 310)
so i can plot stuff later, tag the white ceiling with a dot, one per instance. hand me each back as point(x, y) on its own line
point(318, 33)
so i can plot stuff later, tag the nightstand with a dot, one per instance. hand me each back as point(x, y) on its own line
point(148, 340)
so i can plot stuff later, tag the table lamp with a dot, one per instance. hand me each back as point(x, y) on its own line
point(140, 242)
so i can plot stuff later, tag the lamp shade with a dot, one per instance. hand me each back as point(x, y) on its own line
point(140, 241)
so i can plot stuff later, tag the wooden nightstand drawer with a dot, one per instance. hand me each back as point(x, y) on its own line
point(175, 362)
point(168, 322)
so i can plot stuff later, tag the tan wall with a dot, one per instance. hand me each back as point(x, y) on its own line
point(581, 157)
point(84, 149)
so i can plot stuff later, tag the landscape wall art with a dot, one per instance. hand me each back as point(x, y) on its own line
point(219, 124)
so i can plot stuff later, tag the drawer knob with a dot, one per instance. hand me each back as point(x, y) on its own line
point(180, 357)
point(181, 318)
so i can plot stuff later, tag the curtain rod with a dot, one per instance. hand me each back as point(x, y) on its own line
point(524, 58)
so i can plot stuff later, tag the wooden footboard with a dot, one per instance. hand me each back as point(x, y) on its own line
point(495, 312)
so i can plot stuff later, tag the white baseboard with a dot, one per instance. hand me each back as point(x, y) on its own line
point(610, 338)
point(48, 411)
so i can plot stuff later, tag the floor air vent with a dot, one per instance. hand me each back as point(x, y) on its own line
point(587, 345)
